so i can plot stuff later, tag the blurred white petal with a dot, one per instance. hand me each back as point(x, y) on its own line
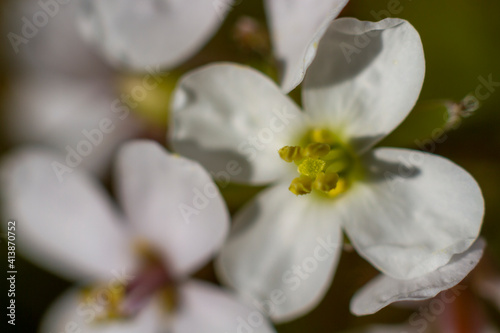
point(138, 34)
point(173, 203)
point(69, 227)
point(62, 112)
point(70, 313)
point(57, 46)
point(296, 27)
point(210, 309)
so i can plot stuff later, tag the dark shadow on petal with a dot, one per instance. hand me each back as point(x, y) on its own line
point(378, 170)
point(350, 55)
point(217, 162)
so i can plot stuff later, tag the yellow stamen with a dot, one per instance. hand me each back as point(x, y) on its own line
point(326, 182)
point(340, 188)
point(325, 164)
point(169, 298)
point(301, 185)
point(322, 136)
point(114, 297)
point(291, 153)
point(315, 150)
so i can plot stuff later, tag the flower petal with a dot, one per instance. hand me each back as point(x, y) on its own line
point(209, 309)
point(365, 78)
point(233, 119)
point(69, 227)
point(150, 32)
point(384, 290)
point(70, 313)
point(283, 252)
point(296, 28)
point(173, 203)
point(62, 112)
point(54, 47)
point(412, 212)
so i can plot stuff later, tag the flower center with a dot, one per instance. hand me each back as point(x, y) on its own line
point(324, 164)
point(124, 299)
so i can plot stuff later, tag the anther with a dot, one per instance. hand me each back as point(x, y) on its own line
point(322, 136)
point(315, 150)
point(326, 182)
point(301, 185)
point(291, 153)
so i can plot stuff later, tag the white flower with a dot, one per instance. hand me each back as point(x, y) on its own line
point(62, 90)
point(73, 229)
point(296, 28)
point(137, 34)
point(167, 32)
point(406, 212)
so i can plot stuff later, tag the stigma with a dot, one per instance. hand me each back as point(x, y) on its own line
point(323, 164)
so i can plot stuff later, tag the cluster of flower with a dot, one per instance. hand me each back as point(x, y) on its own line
point(415, 216)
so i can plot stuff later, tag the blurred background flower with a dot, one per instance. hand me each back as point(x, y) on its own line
point(55, 75)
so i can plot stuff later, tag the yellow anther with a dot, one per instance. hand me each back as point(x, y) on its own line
point(325, 164)
point(340, 188)
point(301, 185)
point(326, 182)
point(114, 302)
point(170, 298)
point(311, 167)
point(316, 149)
point(291, 153)
point(322, 136)
point(114, 298)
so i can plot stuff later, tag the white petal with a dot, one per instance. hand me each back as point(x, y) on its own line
point(296, 28)
point(283, 252)
point(55, 47)
point(227, 115)
point(412, 212)
point(62, 112)
point(150, 33)
point(70, 313)
point(210, 309)
point(173, 203)
point(384, 290)
point(69, 227)
point(366, 94)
